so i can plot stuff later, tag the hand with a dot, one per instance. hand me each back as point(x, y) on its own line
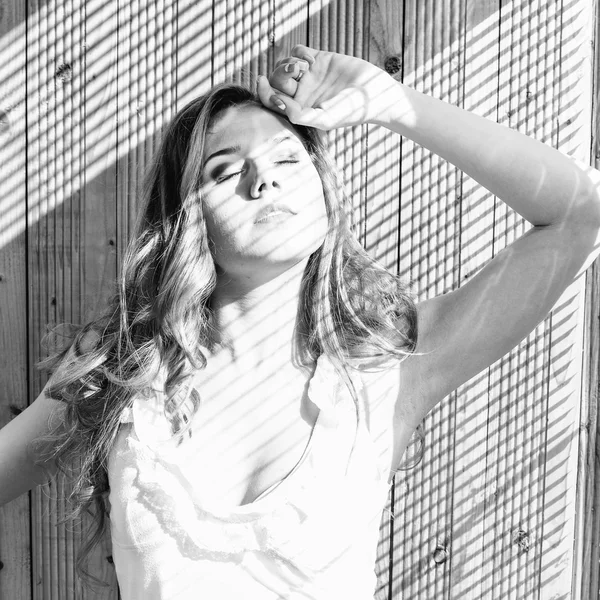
point(327, 90)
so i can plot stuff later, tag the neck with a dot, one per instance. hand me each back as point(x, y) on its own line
point(256, 323)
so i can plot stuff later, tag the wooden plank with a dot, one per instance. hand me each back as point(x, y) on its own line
point(573, 110)
point(438, 271)
point(377, 214)
point(100, 218)
point(472, 410)
point(15, 549)
point(529, 44)
point(428, 251)
point(72, 230)
point(382, 211)
point(586, 581)
point(508, 380)
point(42, 202)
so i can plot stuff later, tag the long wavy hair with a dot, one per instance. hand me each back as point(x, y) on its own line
point(350, 309)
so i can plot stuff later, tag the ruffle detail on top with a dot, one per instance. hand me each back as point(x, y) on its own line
point(306, 531)
point(310, 520)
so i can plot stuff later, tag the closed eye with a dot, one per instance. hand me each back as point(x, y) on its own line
point(222, 178)
point(226, 177)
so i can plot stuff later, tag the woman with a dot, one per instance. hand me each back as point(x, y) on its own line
point(250, 391)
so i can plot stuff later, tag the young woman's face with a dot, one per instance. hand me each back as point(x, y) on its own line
point(263, 197)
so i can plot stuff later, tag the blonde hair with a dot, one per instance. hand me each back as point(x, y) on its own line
point(350, 308)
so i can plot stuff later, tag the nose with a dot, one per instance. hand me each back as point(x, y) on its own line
point(264, 179)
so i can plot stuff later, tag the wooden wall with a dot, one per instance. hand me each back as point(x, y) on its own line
point(493, 509)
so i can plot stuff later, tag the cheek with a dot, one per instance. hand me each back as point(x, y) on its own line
point(223, 219)
point(315, 202)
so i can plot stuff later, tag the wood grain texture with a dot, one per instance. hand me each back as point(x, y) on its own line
point(15, 549)
point(382, 212)
point(428, 255)
point(573, 118)
point(72, 229)
point(519, 381)
point(476, 249)
point(587, 547)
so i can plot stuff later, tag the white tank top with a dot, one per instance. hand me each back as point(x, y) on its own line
point(312, 536)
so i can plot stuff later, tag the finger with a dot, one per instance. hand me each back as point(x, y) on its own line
point(269, 97)
point(303, 65)
point(312, 117)
point(305, 52)
point(283, 78)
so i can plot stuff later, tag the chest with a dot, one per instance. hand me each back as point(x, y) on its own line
point(250, 432)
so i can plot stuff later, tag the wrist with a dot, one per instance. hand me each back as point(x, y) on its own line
point(391, 106)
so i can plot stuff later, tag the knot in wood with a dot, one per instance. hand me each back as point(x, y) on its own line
point(1, 565)
point(4, 121)
point(521, 539)
point(392, 64)
point(64, 73)
point(440, 555)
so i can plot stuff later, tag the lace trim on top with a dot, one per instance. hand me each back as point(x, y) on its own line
point(305, 521)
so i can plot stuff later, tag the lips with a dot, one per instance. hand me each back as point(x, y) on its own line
point(272, 210)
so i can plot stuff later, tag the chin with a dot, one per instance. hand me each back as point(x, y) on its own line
point(290, 251)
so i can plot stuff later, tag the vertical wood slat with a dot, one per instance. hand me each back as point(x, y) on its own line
point(15, 549)
point(519, 381)
point(473, 405)
point(429, 205)
point(586, 576)
point(69, 152)
point(560, 482)
point(430, 202)
point(41, 198)
point(382, 206)
point(100, 218)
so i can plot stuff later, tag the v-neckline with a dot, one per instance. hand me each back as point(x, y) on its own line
point(275, 493)
point(275, 486)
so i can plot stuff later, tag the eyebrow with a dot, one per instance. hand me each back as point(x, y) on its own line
point(278, 139)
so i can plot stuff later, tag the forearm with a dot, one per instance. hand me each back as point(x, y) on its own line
point(19, 472)
point(540, 183)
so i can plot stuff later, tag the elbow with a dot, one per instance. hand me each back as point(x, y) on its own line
point(581, 228)
point(584, 209)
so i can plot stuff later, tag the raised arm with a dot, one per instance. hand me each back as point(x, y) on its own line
point(462, 332)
